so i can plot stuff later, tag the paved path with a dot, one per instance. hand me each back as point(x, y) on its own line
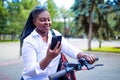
point(11, 65)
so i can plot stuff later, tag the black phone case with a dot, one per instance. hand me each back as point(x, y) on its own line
point(54, 41)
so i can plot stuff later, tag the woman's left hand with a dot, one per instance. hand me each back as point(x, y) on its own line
point(90, 58)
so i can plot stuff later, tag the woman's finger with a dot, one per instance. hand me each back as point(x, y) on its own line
point(57, 45)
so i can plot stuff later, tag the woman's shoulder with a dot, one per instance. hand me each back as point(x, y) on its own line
point(31, 37)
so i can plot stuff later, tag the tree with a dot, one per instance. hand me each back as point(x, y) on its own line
point(18, 13)
point(3, 17)
point(56, 15)
point(117, 24)
point(65, 17)
point(92, 13)
point(115, 9)
point(109, 11)
point(53, 9)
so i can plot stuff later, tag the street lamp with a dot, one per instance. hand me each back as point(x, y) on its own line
point(64, 17)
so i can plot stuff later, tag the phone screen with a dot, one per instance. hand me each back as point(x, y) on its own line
point(54, 41)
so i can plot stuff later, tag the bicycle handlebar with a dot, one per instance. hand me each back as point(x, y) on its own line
point(61, 73)
point(69, 67)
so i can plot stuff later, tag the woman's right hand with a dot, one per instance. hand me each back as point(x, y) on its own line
point(51, 54)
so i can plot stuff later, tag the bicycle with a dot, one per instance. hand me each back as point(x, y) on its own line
point(71, 67)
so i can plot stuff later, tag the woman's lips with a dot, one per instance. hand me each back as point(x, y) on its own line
point(46, 27)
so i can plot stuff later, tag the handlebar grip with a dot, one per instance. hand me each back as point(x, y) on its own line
point(97, 59)
point(57, 75)
point(61, 73)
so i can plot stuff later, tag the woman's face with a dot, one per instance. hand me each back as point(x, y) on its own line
point(43, 22)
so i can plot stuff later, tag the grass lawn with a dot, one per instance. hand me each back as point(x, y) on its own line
point(9, 41)
point(107, 49)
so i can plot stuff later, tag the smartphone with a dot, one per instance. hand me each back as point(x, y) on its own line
point(54, 41)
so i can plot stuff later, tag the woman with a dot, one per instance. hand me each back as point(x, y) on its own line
point(39, 60)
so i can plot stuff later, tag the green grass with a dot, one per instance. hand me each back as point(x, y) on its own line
point(8, 41)
point(107, 49)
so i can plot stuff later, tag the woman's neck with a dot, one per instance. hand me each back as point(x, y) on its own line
point(44, 35)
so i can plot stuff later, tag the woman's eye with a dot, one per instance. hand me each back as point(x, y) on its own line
point(42, 20)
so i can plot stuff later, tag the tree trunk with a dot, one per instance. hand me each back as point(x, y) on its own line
point(90, 35)
point(100, 43)
point(90, 30)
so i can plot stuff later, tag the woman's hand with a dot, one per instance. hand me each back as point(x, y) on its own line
point(51, 54)
point(89, 57)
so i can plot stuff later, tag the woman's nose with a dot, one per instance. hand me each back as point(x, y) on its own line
point(47, 22)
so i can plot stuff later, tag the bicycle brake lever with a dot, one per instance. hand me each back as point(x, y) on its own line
point(86, 63)
point(99, 65)
point(91, 66)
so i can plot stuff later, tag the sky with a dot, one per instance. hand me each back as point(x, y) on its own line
point(61, 3)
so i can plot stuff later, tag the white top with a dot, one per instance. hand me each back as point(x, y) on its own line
point(34, 50)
